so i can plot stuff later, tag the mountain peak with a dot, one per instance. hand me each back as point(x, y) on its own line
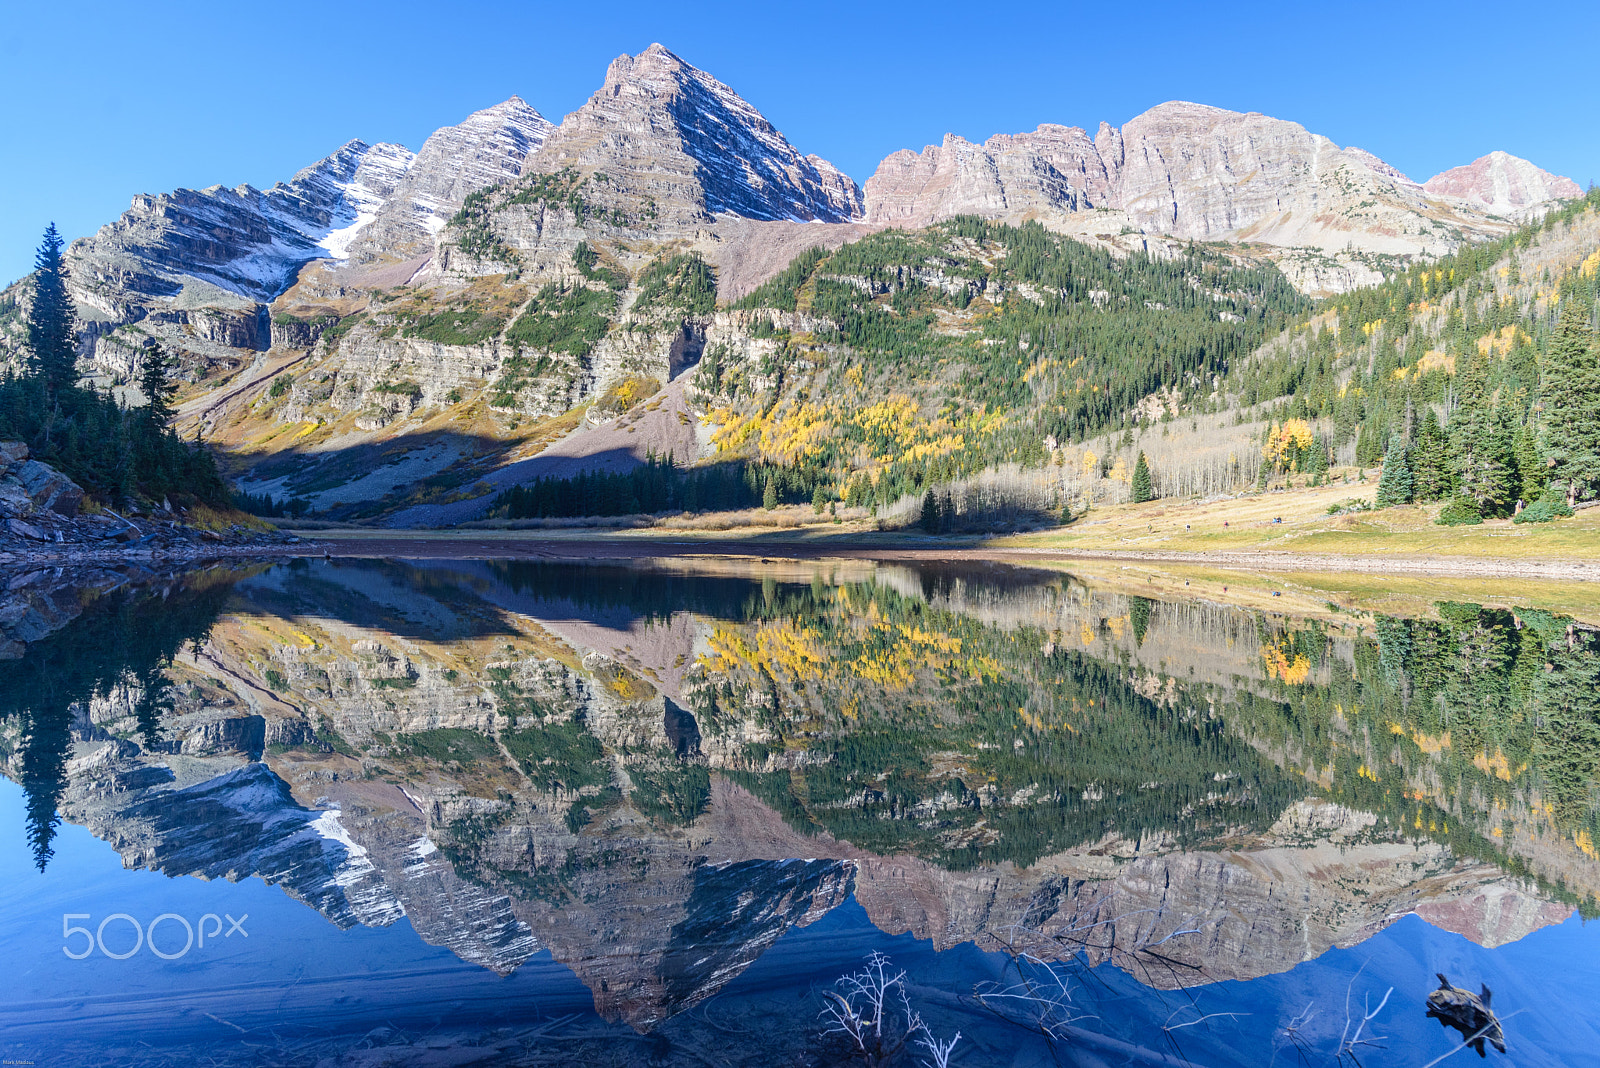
point(1503, 184)
point(664, 129)
point(486, 148)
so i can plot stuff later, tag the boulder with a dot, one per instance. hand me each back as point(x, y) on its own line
point(26, 530)
point(49, 489)
point(12, 455)
point(14, 500)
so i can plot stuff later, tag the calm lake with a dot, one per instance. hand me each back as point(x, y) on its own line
point(714, 811)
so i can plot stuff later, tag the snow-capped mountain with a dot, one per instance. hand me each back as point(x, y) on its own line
point(366, 201)
point(243, 240)
point(487, 149)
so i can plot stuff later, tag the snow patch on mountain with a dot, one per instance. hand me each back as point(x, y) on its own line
point(487, 149)
point(364, 202)
point(382, 169)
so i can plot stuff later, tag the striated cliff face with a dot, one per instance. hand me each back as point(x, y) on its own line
point(1190, 171)
point(1054, 168)
point(490, 147)
point(197, 269)
point(367, 200)
point(664, 130)
point(1503, 184)
point(242, 241)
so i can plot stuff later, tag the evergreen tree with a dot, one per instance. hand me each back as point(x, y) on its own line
point(1395, 486)
point(932, 521)
point(1571, 396)
point(1485, 466)
point(1139, 615)
point(1480, 443)
point(1319, 462)
point(1532, 471)
point(52, 321)
point(1369, 442)
point(769, 496)
point(83, 432)
point(819, 499)
point(1142, 490)
point(1430, 461)
point(155, 382)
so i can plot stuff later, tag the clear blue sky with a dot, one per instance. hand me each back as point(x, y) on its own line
point(105, 100)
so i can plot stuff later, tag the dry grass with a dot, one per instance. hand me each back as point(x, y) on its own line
point(1249, 523)
point(1346, 598)
point(221, 519)
point(788, 517)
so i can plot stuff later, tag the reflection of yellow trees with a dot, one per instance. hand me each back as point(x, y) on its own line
point(1280, 665)
point(1428, 743)
point(1044, 720)
point(780, 648)
point(867, 649)
point(898, 652)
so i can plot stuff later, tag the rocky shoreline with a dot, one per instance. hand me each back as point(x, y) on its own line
point(43, 521)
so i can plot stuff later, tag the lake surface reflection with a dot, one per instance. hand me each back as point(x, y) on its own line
point(361, 812)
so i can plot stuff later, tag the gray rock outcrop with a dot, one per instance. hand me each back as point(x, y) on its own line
point(29, 488)
point(662, 129)
point(1191, 171)
point(487, 149)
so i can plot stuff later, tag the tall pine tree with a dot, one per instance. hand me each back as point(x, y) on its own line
point(932, 521)
point(1480, 443)
point(52, 321)
point(1395, 486)
point(1430, 461)
point(1570, 390)
point(83, 432)
point(1142, 489)
point(155, 382)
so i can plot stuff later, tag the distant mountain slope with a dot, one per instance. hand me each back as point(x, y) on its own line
point(210, 259)
point(1503, 184)
point(490, 147)
point(1196, 172)
point(242, 240)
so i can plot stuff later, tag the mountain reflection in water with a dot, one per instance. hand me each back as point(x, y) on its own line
point(648, 776)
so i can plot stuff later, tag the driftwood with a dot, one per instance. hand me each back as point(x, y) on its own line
point(1468, 1013)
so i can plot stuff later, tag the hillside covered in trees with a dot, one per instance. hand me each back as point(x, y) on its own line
point(1474, 379)
point(910, 360)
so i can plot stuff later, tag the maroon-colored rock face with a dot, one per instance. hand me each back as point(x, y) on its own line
point(1503, 184)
